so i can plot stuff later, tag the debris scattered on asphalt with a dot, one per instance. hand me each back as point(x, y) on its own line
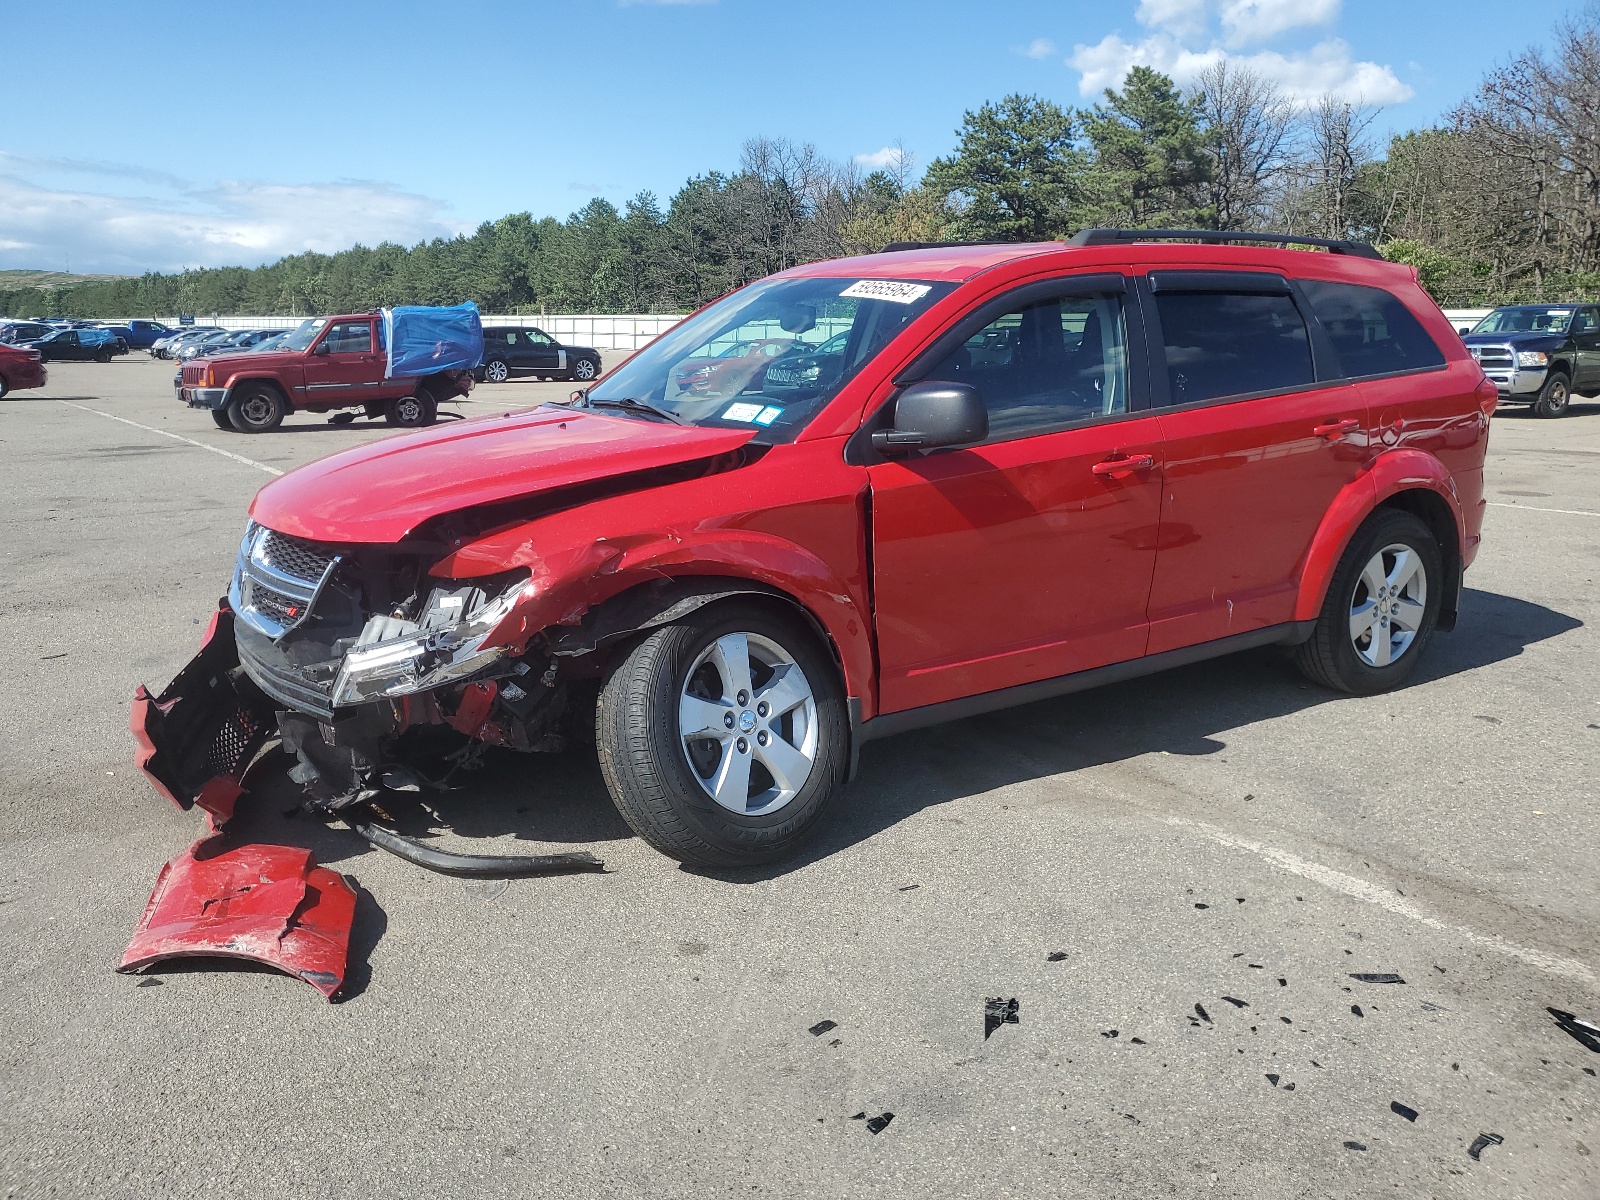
point(822, 1027)
point(1438, 968)
point(911, 887)
point(48, 657)
point(1589, 1071)
point(1288, 1087)
point(1136, 1041)
point(1272, 1079)
point(1055, 956)
point(998, 1012)
point(1199, 1011)
point(837, 1042)
point(1286, 1020)
point(1587, 1032)
point(1355, 1146)
point(1356, 1008)
point(148, 981)
point(1381, 977)
point(1429, 1006)
point(1240, 899)
point(1237, 1003)
point(1108, 1033)
point(1202, 906)
point(1250, 796)
point(1282, 982)
point(1403, 1110)
point(879, 1123)
point(1481, 1143)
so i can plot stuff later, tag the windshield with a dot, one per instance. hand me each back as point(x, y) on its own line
point(771, 354)
point(275, 342)
point(302, 338)
point(1526, 318)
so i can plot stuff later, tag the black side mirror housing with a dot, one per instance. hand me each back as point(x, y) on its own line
point(934, 413)
point(322, 348)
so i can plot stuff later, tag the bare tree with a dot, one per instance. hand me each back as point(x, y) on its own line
point(1320, 195)
point(1248, 125)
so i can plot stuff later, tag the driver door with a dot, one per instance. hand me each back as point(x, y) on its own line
point(1586, 342)
point(1030, 555)
point(345, 365)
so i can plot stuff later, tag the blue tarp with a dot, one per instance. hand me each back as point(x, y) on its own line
point(96, 337)
point(424, 340)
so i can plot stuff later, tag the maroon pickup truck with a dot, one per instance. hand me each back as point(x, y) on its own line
point(328, 363)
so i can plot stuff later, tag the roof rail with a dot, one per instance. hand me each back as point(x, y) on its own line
point(1111, 237)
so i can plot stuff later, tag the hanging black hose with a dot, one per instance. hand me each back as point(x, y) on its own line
point(477, 866)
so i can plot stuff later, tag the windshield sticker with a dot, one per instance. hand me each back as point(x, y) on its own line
point(741, 412)
point(1558, 312)
point(887, 289)
point(767, 415)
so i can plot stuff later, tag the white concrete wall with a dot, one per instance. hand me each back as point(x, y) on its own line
point(601, 331)
point(1466, 316)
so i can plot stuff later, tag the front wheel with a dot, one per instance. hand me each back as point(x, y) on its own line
point(102, 356)
point(219, 417)
point(256, 410)
point(1553, 397)
point(722, 737)
point(585, 368)
point(1381, 607)
point(495, 371)
point(412, 412)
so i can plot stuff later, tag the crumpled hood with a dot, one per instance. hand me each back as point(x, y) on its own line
point(382, 491)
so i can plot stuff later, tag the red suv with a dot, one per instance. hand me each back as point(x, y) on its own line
point(1016, 471)
point(20, 368)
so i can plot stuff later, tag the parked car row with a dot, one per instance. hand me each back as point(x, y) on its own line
point(132, 335)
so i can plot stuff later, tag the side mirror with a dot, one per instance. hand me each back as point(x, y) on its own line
point(932, 414)
point(322, 348)
point(1463, 330)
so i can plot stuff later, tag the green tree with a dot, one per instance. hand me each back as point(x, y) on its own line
point(1017, 173)
point(1150, 164)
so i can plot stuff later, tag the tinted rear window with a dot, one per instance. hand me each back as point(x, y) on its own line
point(1372, 332)
point(1231, 344)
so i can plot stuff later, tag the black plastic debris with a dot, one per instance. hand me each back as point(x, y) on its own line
point(1286, 1020)
point(822, 1027)
point(1272, 1079)
point(1136, 1041)
point(1255, 966)
point(1589, 1071)
point(1356, 1008)
point(879, 1123)
point(1108, 1033)
point(1237, 1003)
point(148, 981)
point(998, 1012)
point(1403, 1110)
point(1282, 982)
point(1288, 1087)
point(1481, 1143)
point(1199, 1011)
point(836, 1042)
point(1381, 977)
point(860, 1116)
point(1240, 899)
point(1056, 956)
point(1249, 796)
point(1202, 906)
point(1355, 1146)
point(1428, 1006)
point(911, 887)
point(1438, 968)
point(1587, 1032)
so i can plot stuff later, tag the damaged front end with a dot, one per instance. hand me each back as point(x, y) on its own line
point(336, 652)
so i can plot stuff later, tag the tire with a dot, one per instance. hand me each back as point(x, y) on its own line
point(496, 371)
point(102, 356)
point(1554, 397)
point(4, 387)
point(257, 409)
point(220, 418)
point(585, 369)
point(1334, 655)
point(412, 412)
point(663, 783)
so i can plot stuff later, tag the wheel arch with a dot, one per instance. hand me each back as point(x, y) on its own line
point(244, 381)
point(1409, 480)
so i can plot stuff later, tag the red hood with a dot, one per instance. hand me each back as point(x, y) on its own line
point(382, 491)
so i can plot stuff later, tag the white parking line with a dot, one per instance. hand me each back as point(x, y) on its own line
point(177, 437)
point(1360, 889)
point(1570, 512)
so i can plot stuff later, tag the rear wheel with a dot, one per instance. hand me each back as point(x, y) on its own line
point(412, 412)
point(257, 409)
point(722, 737)
point(495, 371)
point(219, 417)
point(102, 356)
point(1381, 607)
point(1554, 396)
point(4, 387)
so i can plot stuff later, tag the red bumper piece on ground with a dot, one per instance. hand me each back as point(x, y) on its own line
point(266, 904)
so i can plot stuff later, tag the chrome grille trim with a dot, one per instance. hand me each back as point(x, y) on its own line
point(277, 580)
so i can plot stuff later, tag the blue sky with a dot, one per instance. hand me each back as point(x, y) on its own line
point(155, 136)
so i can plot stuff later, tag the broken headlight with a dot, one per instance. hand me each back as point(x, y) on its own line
point(396, 657)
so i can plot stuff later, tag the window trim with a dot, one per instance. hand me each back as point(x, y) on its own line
point(859, 450)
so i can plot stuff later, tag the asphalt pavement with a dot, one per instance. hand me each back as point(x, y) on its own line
point(1178, 880)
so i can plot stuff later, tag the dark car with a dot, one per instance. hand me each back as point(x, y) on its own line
point(1539, 354)
point(14, 333)
point(730, 370)
point(80, 344)
point(529, 351)
point(807, 369)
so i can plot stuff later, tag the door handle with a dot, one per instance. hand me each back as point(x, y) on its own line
point(1118, 467)
point(1337, 429)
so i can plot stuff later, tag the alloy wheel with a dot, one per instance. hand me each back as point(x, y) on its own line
point(583, 369)
point(747, 719)
point(1388, 604)
point(496, 372)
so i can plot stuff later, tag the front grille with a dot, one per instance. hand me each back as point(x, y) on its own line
point(1494, 357)
point(274, 605)
point(304, 560)
point(193, 375)
point(235, 739)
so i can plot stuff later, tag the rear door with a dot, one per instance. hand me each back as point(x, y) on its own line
point(1260, 437)
point(1029, 555)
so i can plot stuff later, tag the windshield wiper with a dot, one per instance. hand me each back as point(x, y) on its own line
point(629, 404)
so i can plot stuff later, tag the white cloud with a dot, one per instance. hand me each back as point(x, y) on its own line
point(232, 223)
point(1181, 18)
point(880, 160)
point(1326, 67)
point(1038, 48)
point(1246, 22)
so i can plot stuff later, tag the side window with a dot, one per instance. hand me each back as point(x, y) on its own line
point(350, 337)
point(1232, 344)
point(1372, 332)
point(537, 337)
point(1046, 364)
point(511, 337)
point(1586, 321)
